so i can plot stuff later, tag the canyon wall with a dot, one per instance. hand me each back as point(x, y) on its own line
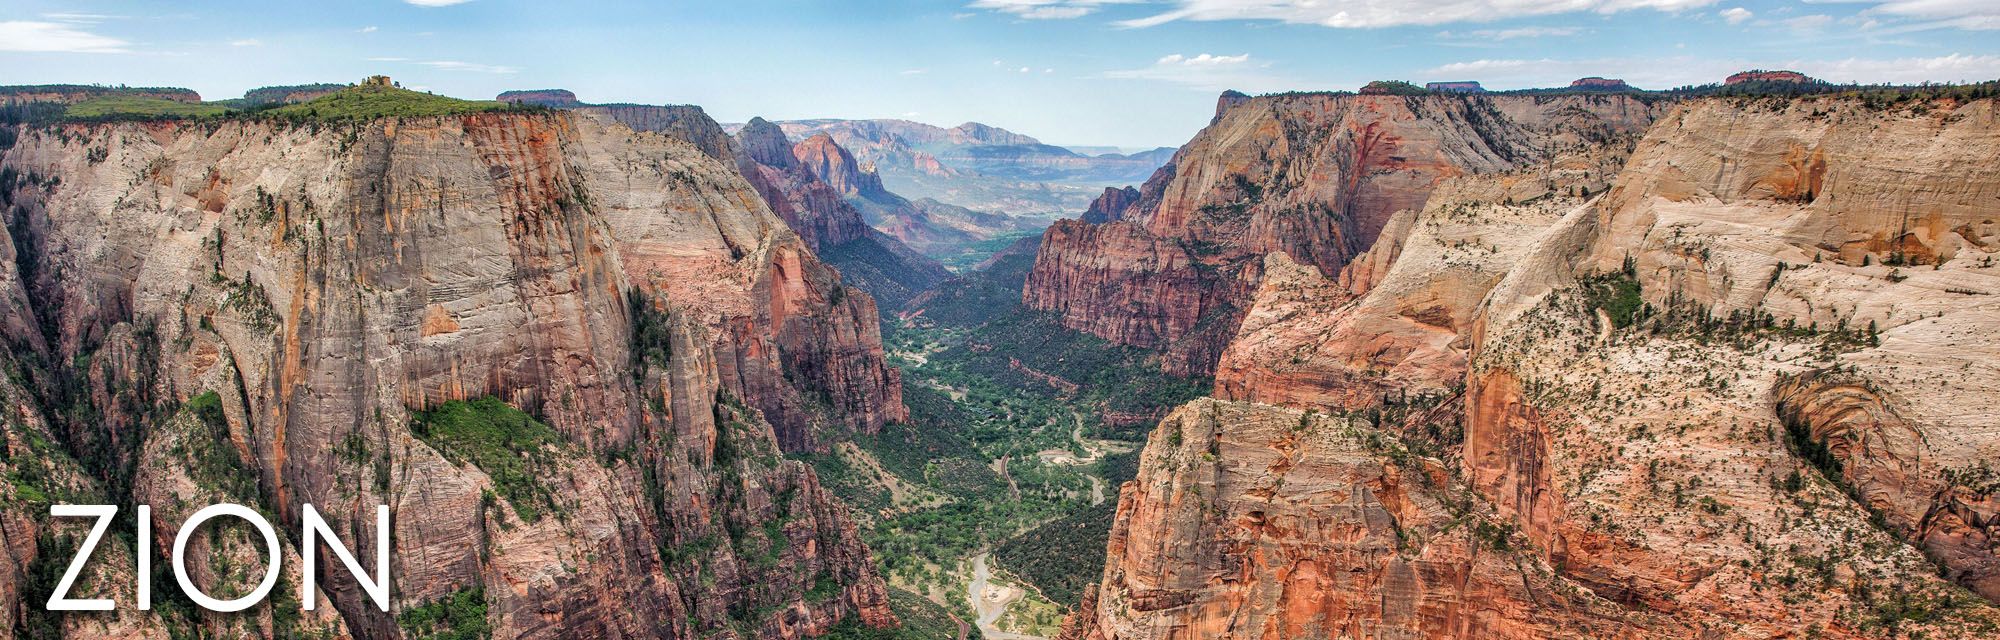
point(329, 301)
point(1737, 387)
point(1316, 176)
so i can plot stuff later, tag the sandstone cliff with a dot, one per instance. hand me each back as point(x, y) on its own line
point(1741, 394)
point(319, 291)
point(1316, 176)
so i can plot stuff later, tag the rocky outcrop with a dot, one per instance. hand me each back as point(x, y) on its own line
point(1767, 76)
point(1111, 205)
point(557, 98)
point(788, 176)
point(1398, 319)
point(1599, 84)
point(1455, 87)
point(1316, 176)
point(1250, 521)
point(322, 289)
point(1864, 227)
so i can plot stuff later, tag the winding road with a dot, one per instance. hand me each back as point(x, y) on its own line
point(990, 601)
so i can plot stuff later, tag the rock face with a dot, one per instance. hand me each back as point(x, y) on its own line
point(1398, 318)
point(789, 177)
point(1594, 82)
point(1740, 393)
point(1112, 205)
point(306, 294)
point(1767, 76)
point(1457, 87)
point(558, 98)
point(1250, 521)
point(1316, 176)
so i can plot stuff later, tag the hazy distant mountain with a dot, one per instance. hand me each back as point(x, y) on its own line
point(981, 167)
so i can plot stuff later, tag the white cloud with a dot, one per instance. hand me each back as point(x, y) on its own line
point(913, 72)
point(454, 65)
point(436, 3)
point(1736, 15)
point(1951, 68)
point(1044, 9)
point(1979, 15)
point(1357, 14)
point(367, 29)
point(1209, 72)
point(1025, 69)
point(81, 18)
point(47, 37)
point(1511, 34)
point(246, 42)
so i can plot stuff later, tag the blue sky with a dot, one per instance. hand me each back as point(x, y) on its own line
point(1133, 73)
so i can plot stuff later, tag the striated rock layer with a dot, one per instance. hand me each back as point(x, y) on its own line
point(1316, 176)
point(1744, 393)
point(302, 294)
point(1251, 521)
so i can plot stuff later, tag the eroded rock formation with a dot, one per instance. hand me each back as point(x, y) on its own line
point(1742, 393)
point(1315, 176)
point(304, 294)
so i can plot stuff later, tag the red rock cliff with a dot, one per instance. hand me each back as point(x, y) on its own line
point(1313, 175)
point(423, 260)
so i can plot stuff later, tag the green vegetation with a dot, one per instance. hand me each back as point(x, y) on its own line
point(367, 102)
point(970, 255)
point(921, 618)
point(1394, 88)
point(1062, 557)
point(141, 108)
point(514, 449)
point(1617, 294)
point(458, 616)
point(212, 460)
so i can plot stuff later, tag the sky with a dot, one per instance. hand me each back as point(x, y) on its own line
point(1127, 73)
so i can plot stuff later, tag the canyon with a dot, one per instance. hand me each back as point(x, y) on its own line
point(1403, 363)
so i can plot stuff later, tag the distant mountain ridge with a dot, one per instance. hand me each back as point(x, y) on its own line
point(979, 166)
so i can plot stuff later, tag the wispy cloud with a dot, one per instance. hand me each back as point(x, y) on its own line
point(1045, 9)
point(1501, 35)
point(246, 42)
point(1360, 14)
point(82, 18)
point(1209, 72)
point(54, 37)
point(1736, 15)
point(367, 29)
point(454, 65)
point(1972, 15)
point(913, 72)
